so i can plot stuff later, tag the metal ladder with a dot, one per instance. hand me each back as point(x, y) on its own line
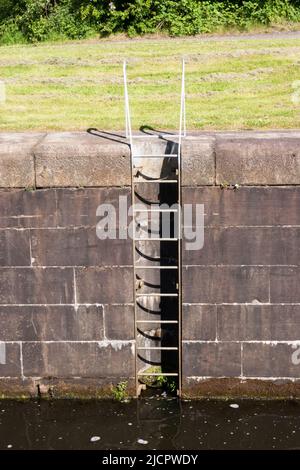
point(147, 292)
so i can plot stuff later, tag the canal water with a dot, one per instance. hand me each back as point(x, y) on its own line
point(150, 423)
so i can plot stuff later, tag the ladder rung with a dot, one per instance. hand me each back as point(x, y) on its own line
point(152, 294)
point(156, 267)
point(161, 155)
point(156, 136)
point(155, 210)
point(156, 239)
point(156, 321)
point(154, 181)
point(160, 348)
point(174, 374)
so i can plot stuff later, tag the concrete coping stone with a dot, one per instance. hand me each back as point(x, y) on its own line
point(102, 159)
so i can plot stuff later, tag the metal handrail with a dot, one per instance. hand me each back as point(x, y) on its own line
point(136, 155)
point(182, 120)
point(127, 109)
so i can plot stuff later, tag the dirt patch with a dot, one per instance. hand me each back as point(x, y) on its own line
point(237, 388)
point(53, 388)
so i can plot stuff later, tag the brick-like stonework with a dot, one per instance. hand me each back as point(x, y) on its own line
point(66, 297)
point(241, 302)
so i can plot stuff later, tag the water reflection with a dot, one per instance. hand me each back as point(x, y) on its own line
point(161, 422)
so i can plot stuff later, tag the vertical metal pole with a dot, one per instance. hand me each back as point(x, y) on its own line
point(129, 136)
point(134, 282)
point(182, 132)
point(125, 98)
point(183, 97)
point(127, 109)
point(182, 122)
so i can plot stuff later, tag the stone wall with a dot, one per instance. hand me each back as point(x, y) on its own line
point(66, 297)
point(241, 311)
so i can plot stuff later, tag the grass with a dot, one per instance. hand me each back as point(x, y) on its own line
point(230, 84)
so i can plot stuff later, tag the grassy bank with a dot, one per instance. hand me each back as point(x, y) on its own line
point(231, 84)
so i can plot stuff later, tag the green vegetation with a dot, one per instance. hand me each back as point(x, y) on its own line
point(163, 382)
point(119, 392)
point(230, 84)
point(166, 383)
point(40, 20)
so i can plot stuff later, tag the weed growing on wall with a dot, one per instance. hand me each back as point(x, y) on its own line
point(119, 392)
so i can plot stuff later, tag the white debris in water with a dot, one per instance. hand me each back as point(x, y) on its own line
point(129, 424)
point(234, 405)
point(95, 438)
point(9, 446)
point(141, 441)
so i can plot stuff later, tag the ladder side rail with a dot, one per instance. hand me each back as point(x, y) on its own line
point(129, 136)
point(127, 107)
point(182, 133)
point(182, 119)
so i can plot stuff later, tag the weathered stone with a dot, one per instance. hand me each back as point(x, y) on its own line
point(147, 193)
point(119, 321)
point(49, 387)
point(156, 281)
point(101, 285)
point(193, 387)
point(78, 359)
point(81, 159)
point(78, 207)
point(17, 159)
point(164, 168)
point(218, 284)
point(10, 363)
point(51, 323)
point(256, 159)
point(153, 145)
point(284, 284)
point(24, 209)
point(156, 253)
point(78, 247)
point(247, 246)
point(246, 205)
point(154, 308)
point(270, 360)
point(14, 248)
point(198, 161)
point(250, 258)
point(199, 322)
point(149, 358)
point(36, 286)
point(258, 322)
point(211, 359)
